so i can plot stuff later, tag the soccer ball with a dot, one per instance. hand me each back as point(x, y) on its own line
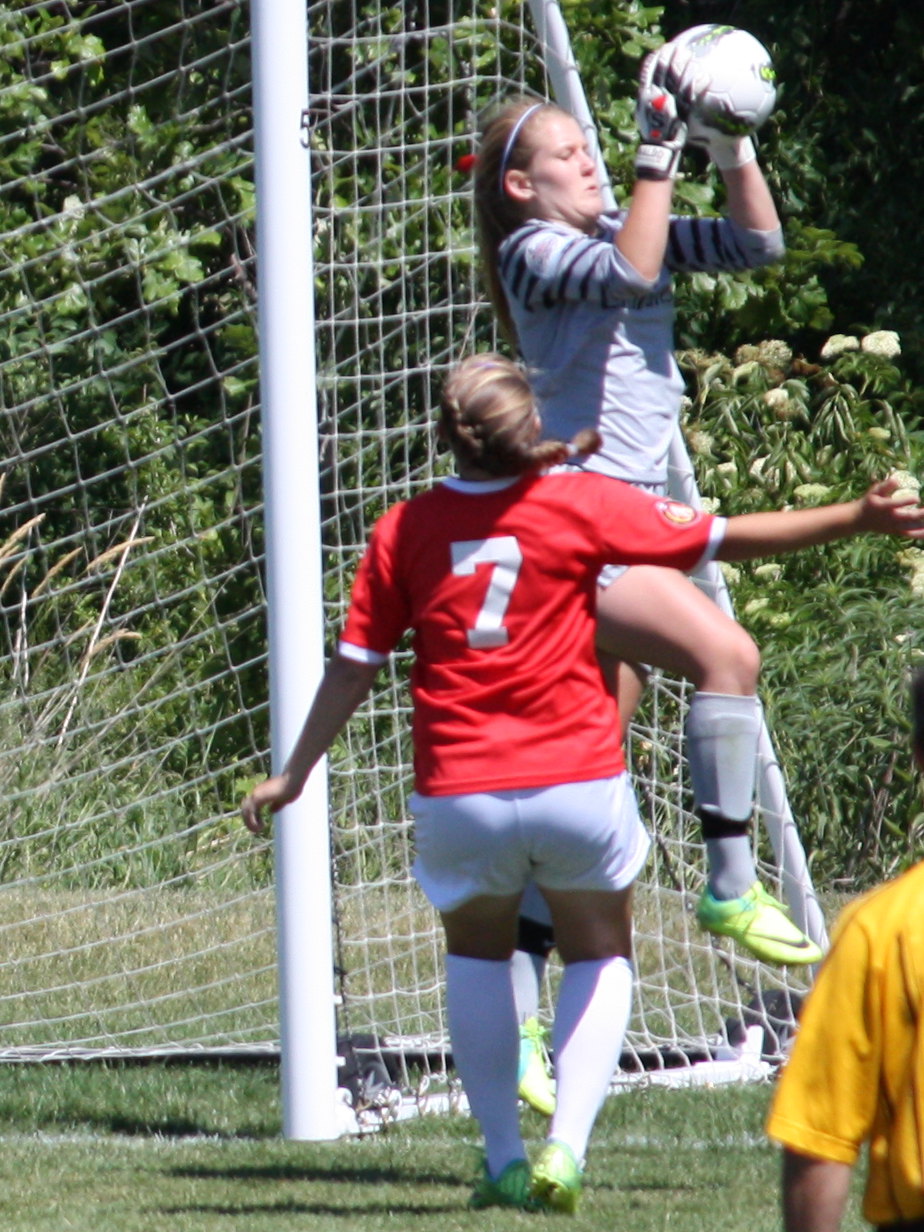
point(742, 90)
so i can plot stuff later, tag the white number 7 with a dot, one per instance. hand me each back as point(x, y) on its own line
point(505, 555)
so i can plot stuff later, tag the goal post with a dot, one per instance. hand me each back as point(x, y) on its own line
point(293, 562)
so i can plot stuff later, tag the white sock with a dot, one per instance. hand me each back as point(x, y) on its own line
point(485, 1049)
point(722, 734)
point(527, 971)
point(594, 1002)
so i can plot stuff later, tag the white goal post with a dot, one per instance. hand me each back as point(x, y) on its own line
point(163, 461)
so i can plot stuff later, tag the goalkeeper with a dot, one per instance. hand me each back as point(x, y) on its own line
point(587, 299)
point(519, 771)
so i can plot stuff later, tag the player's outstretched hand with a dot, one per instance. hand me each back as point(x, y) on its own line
point(271, 794)
point(889, 509)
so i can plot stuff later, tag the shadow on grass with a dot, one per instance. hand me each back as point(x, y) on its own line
point(330, 1173)
point(359, 1191)
point(388, 1209)
point(165, 1127)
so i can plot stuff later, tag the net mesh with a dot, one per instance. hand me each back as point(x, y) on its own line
point(136, 912)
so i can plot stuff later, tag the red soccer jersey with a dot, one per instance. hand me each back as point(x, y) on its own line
point(498, 583)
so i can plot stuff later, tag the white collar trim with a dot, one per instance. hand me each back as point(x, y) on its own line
point(480, 487)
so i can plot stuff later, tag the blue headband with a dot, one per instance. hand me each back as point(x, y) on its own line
point(511, 142)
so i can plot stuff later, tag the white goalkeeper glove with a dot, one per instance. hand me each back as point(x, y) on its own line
point(663, 133)
point(677, 71)
point(726, 150)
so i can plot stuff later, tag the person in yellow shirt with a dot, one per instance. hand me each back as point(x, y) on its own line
point(856, 1073)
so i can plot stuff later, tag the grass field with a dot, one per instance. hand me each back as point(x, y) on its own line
point(90, 1148)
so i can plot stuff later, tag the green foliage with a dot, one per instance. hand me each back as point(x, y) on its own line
point(127, 379)
point(126, 292)
point(838, 625)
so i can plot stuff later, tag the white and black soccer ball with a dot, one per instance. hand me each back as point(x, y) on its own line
point(742, 79)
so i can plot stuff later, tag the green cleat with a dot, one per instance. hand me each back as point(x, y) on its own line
point(557, 1179)
point(512, 1188)
point(534, 1084)
point(761, 924)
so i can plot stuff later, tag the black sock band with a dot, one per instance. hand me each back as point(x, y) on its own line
point(714, 825)
point(535, 938)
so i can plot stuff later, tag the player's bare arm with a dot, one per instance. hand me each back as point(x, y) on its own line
point(344, 685)
point(884, 509)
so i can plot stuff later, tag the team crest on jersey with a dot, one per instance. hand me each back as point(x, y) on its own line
point(674, 511)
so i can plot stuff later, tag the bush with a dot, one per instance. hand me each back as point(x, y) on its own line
point(838, 625)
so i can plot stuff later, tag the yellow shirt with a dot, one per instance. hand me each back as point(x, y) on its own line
point(856, 1073)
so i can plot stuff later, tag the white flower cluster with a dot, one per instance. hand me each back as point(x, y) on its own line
point(771, 353)
point(913, 560)
point(838, 344)
point(780, 403)
point(700, 441)
point(908, 484)
point(761, 609)
point(811, 493)
point(882, 342)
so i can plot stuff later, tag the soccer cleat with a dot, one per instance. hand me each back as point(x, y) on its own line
point(557, 1179)
point(534, 1083)
point(512, 1188)
point(761, 924)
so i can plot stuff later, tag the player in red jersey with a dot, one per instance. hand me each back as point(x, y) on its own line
point(519, 771)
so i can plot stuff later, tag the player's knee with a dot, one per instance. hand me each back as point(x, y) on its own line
point(744, 657)
point(729, 663)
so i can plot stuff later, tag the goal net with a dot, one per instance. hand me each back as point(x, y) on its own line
point(136, 912)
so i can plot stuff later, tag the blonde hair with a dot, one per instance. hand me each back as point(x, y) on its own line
point(489, 419)
point(504, 143)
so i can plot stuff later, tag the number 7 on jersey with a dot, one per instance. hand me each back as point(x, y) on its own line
point(503, 553)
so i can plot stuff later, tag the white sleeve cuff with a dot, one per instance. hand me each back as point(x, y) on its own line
point(361, 654)
point(716, 538)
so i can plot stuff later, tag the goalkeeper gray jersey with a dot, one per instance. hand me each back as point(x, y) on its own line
point(599, 339)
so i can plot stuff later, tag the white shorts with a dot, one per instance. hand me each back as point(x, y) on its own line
point(573, 836)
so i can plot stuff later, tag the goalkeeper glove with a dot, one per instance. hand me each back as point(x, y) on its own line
point(663, 133)
point(727, 151)
point(676, 70)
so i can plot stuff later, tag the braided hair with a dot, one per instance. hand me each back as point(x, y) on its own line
point(489, 419)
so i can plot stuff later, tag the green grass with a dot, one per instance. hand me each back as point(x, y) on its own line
point(92, 1148)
